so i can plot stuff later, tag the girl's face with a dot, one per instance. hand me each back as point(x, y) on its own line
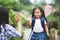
point(37, 13)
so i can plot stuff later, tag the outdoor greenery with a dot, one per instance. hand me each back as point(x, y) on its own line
point(55, 17)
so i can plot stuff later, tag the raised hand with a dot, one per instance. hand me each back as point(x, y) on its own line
point(18, 17)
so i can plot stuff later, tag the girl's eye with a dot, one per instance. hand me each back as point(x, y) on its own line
point(36, 12)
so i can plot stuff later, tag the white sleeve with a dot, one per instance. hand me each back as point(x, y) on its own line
point(45, 22)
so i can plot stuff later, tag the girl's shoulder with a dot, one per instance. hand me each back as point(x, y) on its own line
point(42, 18)
point(9, 26)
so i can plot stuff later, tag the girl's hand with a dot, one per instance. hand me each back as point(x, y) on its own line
point(48, 34)
point(30, 17)
point(18, 18)
point(47, 31)
point(29, 20)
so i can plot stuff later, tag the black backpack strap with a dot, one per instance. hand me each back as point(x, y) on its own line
point(42, 23)
point(33, 22)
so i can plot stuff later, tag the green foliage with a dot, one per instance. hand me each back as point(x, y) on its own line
point(24, 21)
point(57, 1)
point(12, 18)
point(26, 2)
point(10, 4)
point(55, 17)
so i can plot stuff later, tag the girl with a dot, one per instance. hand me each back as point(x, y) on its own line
point(39, 28)
point(6, 30)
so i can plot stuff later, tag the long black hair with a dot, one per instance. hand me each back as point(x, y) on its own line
point(41, 10)
point(4, 16)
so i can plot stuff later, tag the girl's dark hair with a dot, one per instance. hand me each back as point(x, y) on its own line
point(4, 16)
point(41, 10)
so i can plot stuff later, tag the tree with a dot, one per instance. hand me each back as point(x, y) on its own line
point(26, 2)
point(10, 4)
point(57, 1)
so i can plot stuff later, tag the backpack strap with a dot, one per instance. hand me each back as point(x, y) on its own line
point(33, 22)
point(42, 23)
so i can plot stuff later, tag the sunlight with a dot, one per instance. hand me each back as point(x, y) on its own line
point(40, 1)
point(35, 1)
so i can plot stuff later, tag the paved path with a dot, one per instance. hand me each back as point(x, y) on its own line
point(27, 33)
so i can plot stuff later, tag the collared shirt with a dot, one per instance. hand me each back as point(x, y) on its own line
point(8, 31)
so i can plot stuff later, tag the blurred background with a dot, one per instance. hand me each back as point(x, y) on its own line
point(24, 7)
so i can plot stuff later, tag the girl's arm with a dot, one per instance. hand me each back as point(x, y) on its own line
point(29, 20)
point(19, 26)
point(18, 19)
point(46, 28)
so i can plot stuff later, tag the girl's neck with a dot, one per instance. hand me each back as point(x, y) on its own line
point(38, 18)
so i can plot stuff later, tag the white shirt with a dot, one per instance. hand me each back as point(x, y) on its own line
point(38, 27)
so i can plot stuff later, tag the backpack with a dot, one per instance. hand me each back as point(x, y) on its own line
point(42, 22)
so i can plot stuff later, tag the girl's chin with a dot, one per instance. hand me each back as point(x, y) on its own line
point(37, 17)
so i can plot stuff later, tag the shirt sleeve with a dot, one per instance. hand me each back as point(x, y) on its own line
point(45, 22)
point(13, 32)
